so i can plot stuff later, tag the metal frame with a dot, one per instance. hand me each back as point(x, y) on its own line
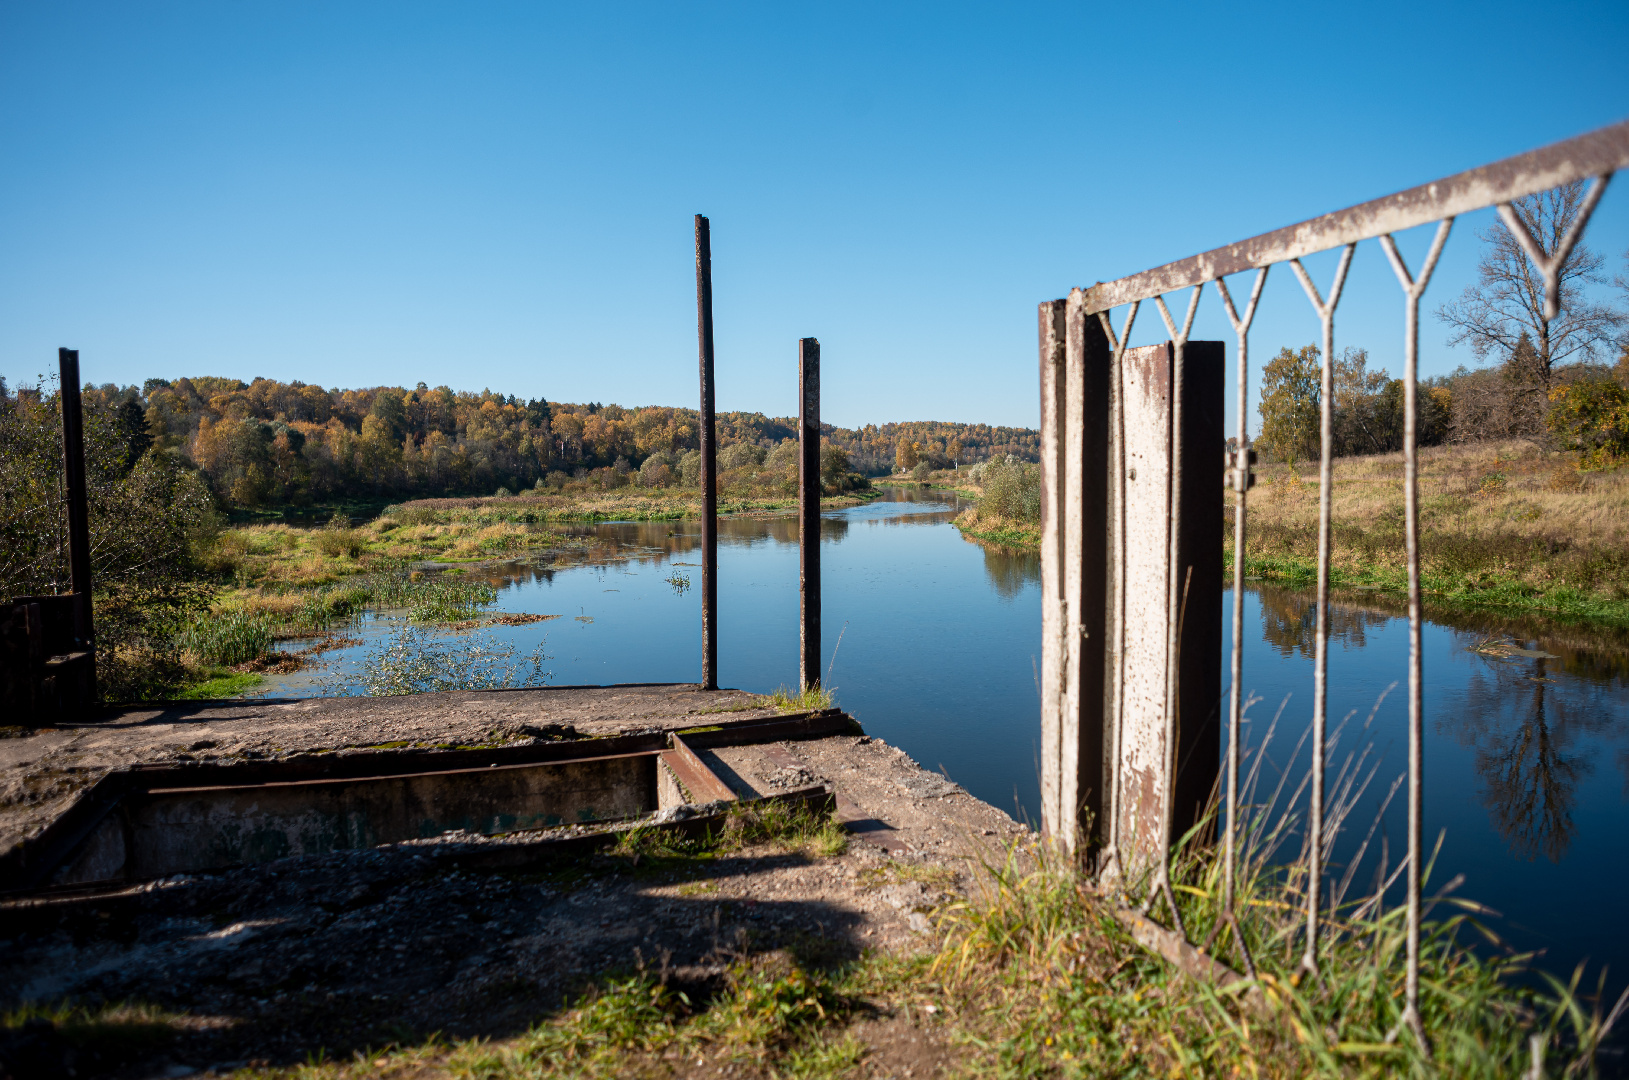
point(1596, 155)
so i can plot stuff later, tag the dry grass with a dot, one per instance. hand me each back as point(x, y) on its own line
point(1502, 525)
point(281, 555)
point(619, 504)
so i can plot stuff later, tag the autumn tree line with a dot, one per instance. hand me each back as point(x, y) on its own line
point(271, 443)
point(1549, 380)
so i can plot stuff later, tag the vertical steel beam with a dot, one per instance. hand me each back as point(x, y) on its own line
point(809, 512)
point(1054, 607)
point(73, 471)
point(709, 457)
point(1147, 797)
point(1086, 568)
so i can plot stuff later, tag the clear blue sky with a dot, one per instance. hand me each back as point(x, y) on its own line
point(500, 195)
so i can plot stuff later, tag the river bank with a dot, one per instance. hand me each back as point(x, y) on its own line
point(1503, 526)
point(288, 590)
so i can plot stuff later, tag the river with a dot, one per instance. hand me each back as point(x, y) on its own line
point(932, 642)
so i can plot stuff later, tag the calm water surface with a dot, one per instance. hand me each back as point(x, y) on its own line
point(1527, 735)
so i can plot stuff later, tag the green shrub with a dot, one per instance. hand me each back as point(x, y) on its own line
point(337, 539)
point(1012, 489)
point(1591, 417)
point(339, 543)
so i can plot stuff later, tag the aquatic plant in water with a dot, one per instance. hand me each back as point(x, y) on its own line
point(412, 662)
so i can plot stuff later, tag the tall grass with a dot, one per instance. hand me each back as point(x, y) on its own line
point(1070, 990)
point(1503, 525)
point(808, 699)
point(227, 638)
point(427, 598)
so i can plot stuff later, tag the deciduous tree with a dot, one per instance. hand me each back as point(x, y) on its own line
point(1507, 301)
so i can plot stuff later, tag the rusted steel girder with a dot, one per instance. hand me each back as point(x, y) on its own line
point(808, 513)
point(1597, 154)
point(709, 457)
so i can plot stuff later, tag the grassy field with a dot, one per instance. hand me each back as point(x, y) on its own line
point(621, 504)
point(1503, 527)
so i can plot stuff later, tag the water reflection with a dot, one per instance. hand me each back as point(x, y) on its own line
point(1011, 571)
point(1530, 734)
point(1289, 622)
point(1526, 751)
point(1522, 709)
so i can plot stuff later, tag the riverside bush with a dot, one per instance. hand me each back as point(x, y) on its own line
point(150, 514)
point(1593, 418)
point(1012, 489)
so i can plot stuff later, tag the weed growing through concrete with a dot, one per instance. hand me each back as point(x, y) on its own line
point(786, 825)
point(809, 699)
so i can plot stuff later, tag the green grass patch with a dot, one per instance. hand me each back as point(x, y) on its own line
point(221, 684)
point(227, 638)
point(809, 699)
point(1486, 590)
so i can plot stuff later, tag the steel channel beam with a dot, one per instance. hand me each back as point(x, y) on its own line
point(1599, 152)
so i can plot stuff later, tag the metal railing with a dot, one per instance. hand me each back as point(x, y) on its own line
point(1595, 156)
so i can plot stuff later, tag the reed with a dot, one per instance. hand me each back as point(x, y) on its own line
point(1072, 992)
point(227, 638)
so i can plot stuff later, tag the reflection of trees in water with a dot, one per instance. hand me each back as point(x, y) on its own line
point(1521, 716)
point(1529, 785)
point(1523, 727)
point(1010, 570)
point(1289, 621)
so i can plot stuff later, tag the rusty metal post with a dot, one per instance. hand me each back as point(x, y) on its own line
point(73, 471)
point(709, 458)
point(809, 512)
point(1086, 573)
point(1147, 796)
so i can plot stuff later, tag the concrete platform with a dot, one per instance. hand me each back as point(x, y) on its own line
point(352, 948)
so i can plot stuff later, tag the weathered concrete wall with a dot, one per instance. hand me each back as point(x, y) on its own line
point(197, 829)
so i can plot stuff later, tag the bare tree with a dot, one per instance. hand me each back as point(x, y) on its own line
point(1507, 301)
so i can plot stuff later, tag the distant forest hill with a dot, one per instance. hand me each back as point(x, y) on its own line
point(270, 443)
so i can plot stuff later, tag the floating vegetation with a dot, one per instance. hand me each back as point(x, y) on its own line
point(679, 581)
point(412, 662)
point(507, 619)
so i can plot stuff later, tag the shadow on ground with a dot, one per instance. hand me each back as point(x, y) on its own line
point(361, 949)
